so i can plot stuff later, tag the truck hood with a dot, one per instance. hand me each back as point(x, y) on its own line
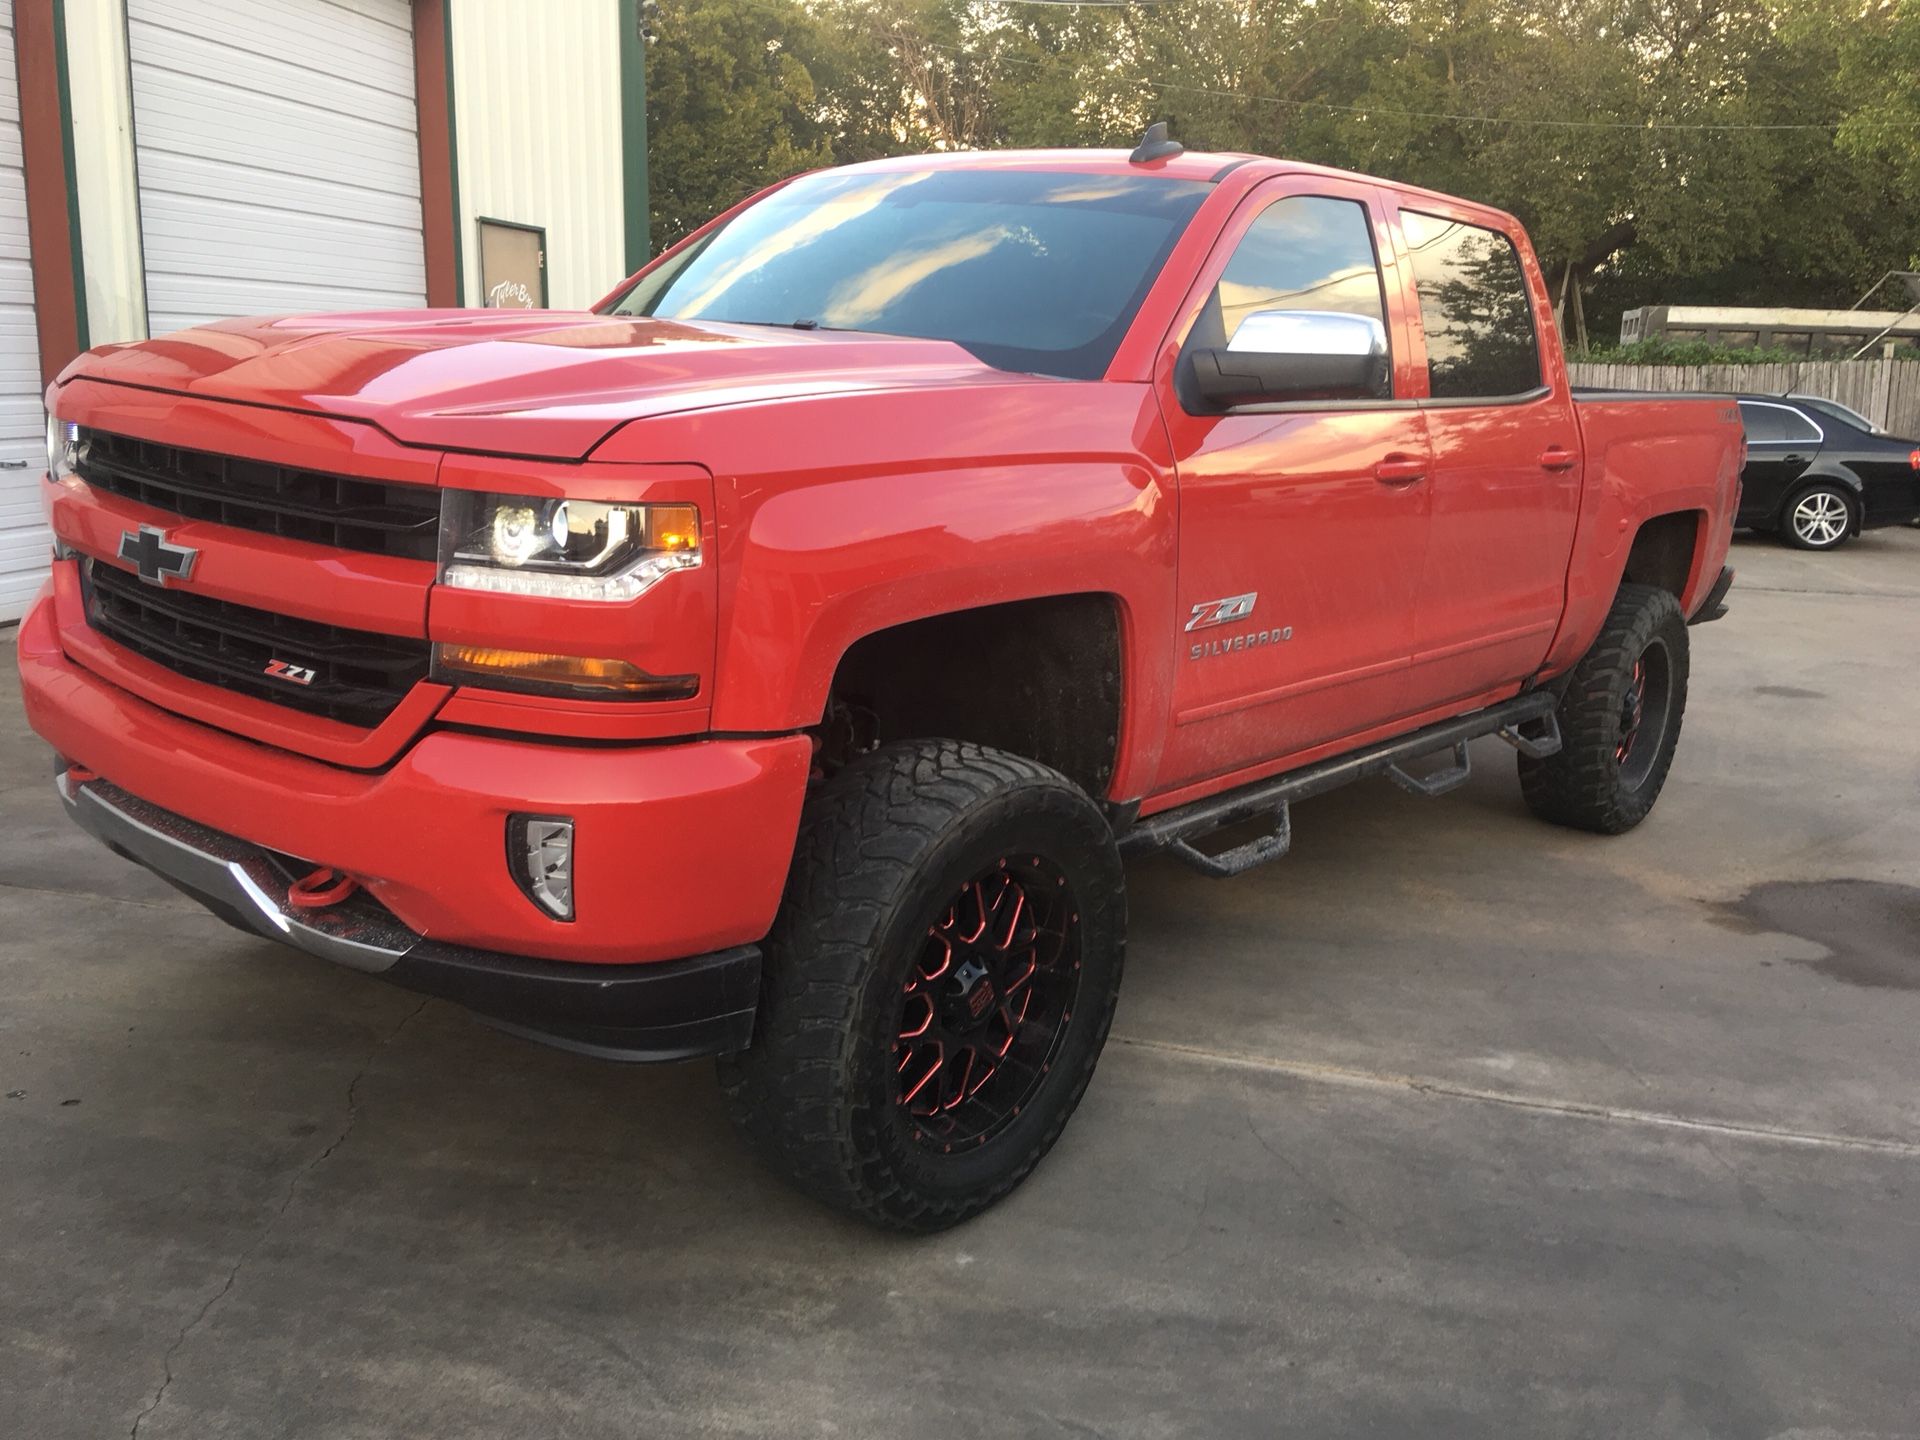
point(542, 383)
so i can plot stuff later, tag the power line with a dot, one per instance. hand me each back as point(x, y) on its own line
point(1168, 86)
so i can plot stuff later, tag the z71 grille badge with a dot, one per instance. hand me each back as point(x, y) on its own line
point(288, 671)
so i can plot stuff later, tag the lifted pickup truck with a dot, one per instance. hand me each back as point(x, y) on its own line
point(776, 662)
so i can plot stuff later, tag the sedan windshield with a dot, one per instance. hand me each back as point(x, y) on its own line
point(1037, 271)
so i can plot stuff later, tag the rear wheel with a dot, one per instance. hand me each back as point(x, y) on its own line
point(939, 983)
point(1619, 719)
point(1820, 517)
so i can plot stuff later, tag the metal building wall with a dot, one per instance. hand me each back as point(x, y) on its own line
point(537, 130)
point(109, 204)
point(23, 535)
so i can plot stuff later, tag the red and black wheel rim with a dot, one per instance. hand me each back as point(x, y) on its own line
point(986, 1003)
point(1644, 715)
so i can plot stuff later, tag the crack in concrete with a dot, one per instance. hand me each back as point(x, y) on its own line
point(63, 894)
point(1579, 1109)
point(286, 1203)
point(1821, 590)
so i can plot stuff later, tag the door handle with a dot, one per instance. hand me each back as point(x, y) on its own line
point(1399, 469)
point(1793, 459)
point(1556, 457)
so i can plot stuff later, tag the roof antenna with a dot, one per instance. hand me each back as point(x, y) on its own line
point(1155, 145)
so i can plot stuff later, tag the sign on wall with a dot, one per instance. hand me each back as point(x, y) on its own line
point(513, 265)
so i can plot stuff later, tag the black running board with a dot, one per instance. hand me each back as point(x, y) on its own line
point(1527, 723)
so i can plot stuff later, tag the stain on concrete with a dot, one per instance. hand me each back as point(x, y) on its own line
point(1790, 692)
point(1870, 928)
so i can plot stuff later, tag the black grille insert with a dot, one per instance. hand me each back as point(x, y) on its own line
point(358, 675)
point(336, 510)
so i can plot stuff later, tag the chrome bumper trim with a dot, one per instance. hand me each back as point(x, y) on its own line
point(235, 879)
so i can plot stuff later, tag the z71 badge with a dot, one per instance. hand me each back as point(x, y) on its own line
point(288, 671)
point(1219, 612)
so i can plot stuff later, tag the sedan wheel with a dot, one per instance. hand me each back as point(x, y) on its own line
point(1819, 519)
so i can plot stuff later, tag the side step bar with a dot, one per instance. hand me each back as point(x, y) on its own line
point(1527, 722)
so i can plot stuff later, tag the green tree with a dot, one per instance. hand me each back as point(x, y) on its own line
point(1754, 151)
point(731, 106)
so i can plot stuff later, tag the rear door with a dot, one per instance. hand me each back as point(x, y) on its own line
point(1781, 443)
point(1506, 459)
point(1302, 523)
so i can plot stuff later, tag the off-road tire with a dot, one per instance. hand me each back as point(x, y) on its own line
point(1586, 786)
point(885, 843)
point(1790, 530)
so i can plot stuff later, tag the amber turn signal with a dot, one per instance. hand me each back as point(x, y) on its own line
point(579, 674)
point(673, 528)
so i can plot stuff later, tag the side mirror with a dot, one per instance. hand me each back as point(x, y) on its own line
point(1295, 355)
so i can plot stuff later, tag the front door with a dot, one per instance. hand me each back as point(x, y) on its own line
point(1506, 463)
point(1302, 523)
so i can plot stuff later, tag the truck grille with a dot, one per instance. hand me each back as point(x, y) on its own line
point(358, 675)
point(336, 510)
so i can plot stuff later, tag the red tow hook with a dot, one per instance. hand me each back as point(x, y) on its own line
point(323, 887)
point(80, 774)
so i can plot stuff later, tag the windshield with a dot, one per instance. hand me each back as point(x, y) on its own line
point(1029, 270)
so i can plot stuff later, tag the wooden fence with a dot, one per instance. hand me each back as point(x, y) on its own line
point(1887, 392)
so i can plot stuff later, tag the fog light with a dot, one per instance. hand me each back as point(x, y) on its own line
point(540, 854)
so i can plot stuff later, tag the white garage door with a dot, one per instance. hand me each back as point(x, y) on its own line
point(23, 448)
point(278, 154)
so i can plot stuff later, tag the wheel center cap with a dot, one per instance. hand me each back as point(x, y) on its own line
point(973, 989)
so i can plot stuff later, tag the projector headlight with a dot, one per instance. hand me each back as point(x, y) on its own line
point(63, 446)
point(565, 548)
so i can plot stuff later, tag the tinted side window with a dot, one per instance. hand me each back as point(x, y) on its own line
point(1475, 309)
point(1307, 252)
point(1765, 424)
point(1798, 427)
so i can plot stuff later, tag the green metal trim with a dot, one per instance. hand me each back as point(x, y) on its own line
point(633, 135)
point(73, 190)
point(453, 162)
point(539, 230)
point(133, 155)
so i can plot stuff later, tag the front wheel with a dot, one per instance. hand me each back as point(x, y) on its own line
point(1820, 517)
point(1619, 719)
point(938, 985)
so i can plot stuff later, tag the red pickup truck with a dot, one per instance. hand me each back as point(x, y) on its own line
point(777, 661)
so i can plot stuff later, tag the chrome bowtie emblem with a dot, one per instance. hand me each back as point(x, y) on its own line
point(147, 550)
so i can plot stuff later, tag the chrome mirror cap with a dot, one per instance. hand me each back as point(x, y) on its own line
point(1308, 332)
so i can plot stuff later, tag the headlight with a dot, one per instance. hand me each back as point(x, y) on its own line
point(568, 549)
point(63, 446)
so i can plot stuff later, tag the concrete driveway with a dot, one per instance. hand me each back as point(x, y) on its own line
point(1451, 1124)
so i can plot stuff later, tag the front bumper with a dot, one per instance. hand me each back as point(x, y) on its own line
point(667, 1010)
point(679, 848)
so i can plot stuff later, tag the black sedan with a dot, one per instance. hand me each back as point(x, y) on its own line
point(1818, 473)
